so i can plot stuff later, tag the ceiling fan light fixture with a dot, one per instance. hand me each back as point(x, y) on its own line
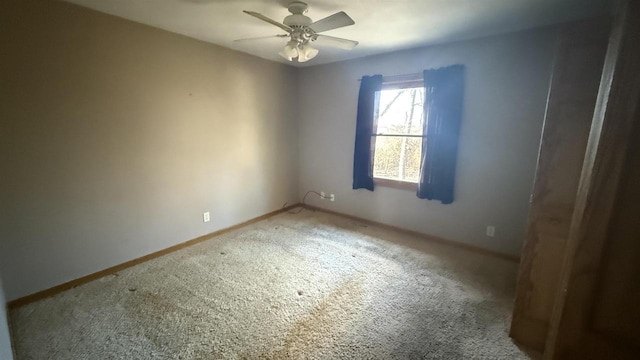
point(290, 50)
point(281, 53)
point(307, 53)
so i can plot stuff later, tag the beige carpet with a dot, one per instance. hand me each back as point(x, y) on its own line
point(308, 285)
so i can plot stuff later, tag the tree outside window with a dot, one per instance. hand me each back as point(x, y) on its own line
point(399, 134)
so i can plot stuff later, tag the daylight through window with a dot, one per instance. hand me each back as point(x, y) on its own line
point(399, 134)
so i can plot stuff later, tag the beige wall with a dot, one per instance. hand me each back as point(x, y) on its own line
point(506, 88)
point(117, 136)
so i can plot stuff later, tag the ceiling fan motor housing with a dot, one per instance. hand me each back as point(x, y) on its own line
point(299, 22)
point(297, 19)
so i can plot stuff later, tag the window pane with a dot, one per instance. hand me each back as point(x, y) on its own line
point(400, 111)
point(397, 158)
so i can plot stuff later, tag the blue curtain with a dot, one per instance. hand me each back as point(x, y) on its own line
point(368, 98)
point(444, 89)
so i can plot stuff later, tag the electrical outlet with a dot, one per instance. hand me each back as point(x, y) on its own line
point(322, 195)
point(206, 217)
point(491, 231)
point(332, 197)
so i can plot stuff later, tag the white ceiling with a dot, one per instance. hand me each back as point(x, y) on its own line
point(381, 25)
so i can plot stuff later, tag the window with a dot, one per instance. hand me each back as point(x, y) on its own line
point(391, 146)
point(398, 134)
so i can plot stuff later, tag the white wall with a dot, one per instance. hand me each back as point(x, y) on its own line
point(505, 97)
point(116, 137)
point(5, 341)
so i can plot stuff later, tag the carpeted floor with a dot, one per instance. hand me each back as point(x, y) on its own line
point(308, 285)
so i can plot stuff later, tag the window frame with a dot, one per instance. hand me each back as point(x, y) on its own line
point(405, 83)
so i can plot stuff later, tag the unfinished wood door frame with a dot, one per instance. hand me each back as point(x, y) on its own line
point(573, 91)
point(611, 133)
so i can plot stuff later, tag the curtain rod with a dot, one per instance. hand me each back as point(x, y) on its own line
point(397, 78)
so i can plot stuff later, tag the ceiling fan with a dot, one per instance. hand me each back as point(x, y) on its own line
point(302, 31)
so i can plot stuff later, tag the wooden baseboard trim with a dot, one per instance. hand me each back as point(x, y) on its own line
point(424, 236)
point(114, 269)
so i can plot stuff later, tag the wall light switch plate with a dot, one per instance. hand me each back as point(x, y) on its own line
point(491, 231)
point(332, 197)
point(206, 217)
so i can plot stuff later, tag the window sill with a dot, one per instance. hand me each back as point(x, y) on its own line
point(396, 184)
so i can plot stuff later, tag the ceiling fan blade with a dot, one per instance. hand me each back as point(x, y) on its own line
point(261, 38)
point(337, 20)
point(270, 21)
point(335, 42)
